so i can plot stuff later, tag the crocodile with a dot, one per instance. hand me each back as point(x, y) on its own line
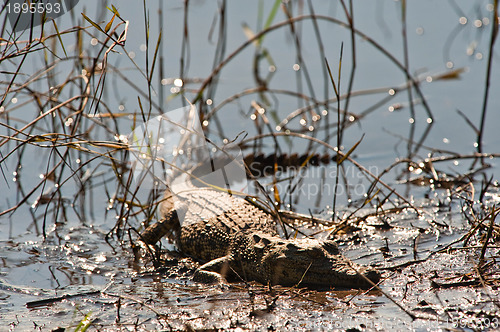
point(232, 237)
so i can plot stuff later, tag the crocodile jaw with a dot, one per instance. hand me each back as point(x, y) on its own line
point(313, 263)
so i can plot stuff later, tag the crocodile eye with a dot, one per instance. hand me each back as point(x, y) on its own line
point(259, 247)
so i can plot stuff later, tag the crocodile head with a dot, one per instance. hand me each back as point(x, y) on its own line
point(310, 262)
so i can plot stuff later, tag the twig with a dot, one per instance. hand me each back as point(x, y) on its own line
point(38, 303)
point(494, 33)
point(362, 168)
point(493, 214)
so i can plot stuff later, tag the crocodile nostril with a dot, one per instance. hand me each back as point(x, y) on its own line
point(331, 247)
point(315, 252)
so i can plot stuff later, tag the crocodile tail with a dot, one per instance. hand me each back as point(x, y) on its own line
point(167, 226)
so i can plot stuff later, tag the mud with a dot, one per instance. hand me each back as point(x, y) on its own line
point(431, 282)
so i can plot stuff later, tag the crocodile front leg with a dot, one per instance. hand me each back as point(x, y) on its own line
point(167, 226)
point(206, 273)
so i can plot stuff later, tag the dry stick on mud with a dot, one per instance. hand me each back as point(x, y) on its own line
point(376, 286)
point(493, 298)
point(493, 215)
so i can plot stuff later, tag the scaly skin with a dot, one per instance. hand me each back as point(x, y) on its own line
point(232, 237)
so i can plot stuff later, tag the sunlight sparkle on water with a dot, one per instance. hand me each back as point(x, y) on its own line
point(178, 82)
point(471, 48)
point(100, 258)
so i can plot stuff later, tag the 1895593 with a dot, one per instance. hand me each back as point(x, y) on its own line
point(26, 14)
